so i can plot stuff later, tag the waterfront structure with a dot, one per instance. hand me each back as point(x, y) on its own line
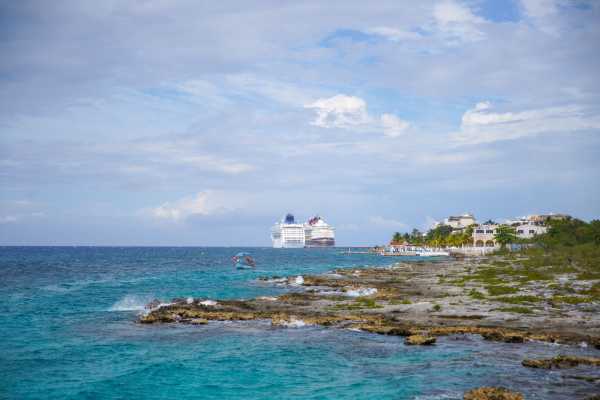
point(407, 249)
point(288, 234)
point(525, 228)
point(318, 233)
point(483, 235)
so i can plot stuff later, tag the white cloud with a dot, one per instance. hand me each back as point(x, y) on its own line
point(387, 222)
point(542, 14)
point(457, 21)
point(539, 8)
point(350, 112)
point(481, 125)
point(393, 126)
point(393, 34)
point(201, 204)
point(340, 111)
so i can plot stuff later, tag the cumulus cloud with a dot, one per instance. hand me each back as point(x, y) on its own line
point(340, 111)
point(201, 204)
point(481, 125)
point(350, 112)
point(393, 126)
point(457, 21)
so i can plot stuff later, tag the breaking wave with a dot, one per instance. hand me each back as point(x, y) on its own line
point(130, 303)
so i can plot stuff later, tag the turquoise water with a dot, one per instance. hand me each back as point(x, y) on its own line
point(67, 323)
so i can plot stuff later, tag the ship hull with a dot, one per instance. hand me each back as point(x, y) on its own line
point(321, 242)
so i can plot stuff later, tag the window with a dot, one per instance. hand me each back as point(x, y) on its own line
point(520, 231)
point(531, 231)
point(479, 231)
point(489, 231)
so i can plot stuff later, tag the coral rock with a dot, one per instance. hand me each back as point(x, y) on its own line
point(492, 393)
point(560, 362)
point(420, 340)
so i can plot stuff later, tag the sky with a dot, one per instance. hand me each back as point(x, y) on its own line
point(201, 123)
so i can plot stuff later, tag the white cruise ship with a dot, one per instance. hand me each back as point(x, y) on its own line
point(318, 233)
point(288, 234)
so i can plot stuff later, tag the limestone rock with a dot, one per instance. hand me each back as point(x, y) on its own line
point(492, 393)
point(560, 362)
point(420, 340)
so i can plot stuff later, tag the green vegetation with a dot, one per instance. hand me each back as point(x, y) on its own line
point(438, 237)
point(516, 310)
point(497, 290)
point(571, 299)
point(504, 235)
point(518, 299)
point(475, 294)
point(437, 307)
point(403, 301)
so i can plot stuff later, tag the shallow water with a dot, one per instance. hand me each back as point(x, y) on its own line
point(67, 327)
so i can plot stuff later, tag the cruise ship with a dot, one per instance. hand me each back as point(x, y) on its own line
point(288, 234)
point(318, 233)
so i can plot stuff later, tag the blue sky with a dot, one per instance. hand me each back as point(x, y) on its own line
point(181, 123)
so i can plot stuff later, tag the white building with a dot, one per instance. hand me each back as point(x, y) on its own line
point(529, 230)
point(483, 235)
point(458, 223)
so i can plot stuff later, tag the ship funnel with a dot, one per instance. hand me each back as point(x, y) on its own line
point(289, 219)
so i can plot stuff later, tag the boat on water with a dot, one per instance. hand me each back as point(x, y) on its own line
point(288, 233)
point(318, 233)
point(243, 260)
point(413, 251)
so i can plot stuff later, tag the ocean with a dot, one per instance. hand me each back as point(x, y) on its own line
point(68, 331)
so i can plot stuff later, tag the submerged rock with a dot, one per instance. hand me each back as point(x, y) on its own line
point(506, 337)
point(420, 340)
point(560, 362)
point(386, 329)
point(492, 393)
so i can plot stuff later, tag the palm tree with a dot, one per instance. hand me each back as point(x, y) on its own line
point(504, 235)
point(397, 238)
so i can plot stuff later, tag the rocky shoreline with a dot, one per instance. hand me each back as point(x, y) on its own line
point(421, 300)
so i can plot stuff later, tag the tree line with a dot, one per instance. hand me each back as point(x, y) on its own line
point(566, 232)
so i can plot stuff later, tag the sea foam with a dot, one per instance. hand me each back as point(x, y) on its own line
point(130, 303)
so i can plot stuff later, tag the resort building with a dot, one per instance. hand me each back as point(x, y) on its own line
point(483, 235)
point(525, 228)
point(458, 223)
point(529, 230)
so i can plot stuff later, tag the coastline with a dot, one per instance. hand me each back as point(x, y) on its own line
point(427, 299)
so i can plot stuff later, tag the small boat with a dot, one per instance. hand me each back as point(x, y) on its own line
point(243, 260)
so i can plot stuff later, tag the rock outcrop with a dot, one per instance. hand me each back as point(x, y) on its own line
point(560, 362)
point(492, 393)
point(420, 340)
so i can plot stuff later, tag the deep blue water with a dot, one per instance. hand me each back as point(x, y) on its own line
point(67, 329)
